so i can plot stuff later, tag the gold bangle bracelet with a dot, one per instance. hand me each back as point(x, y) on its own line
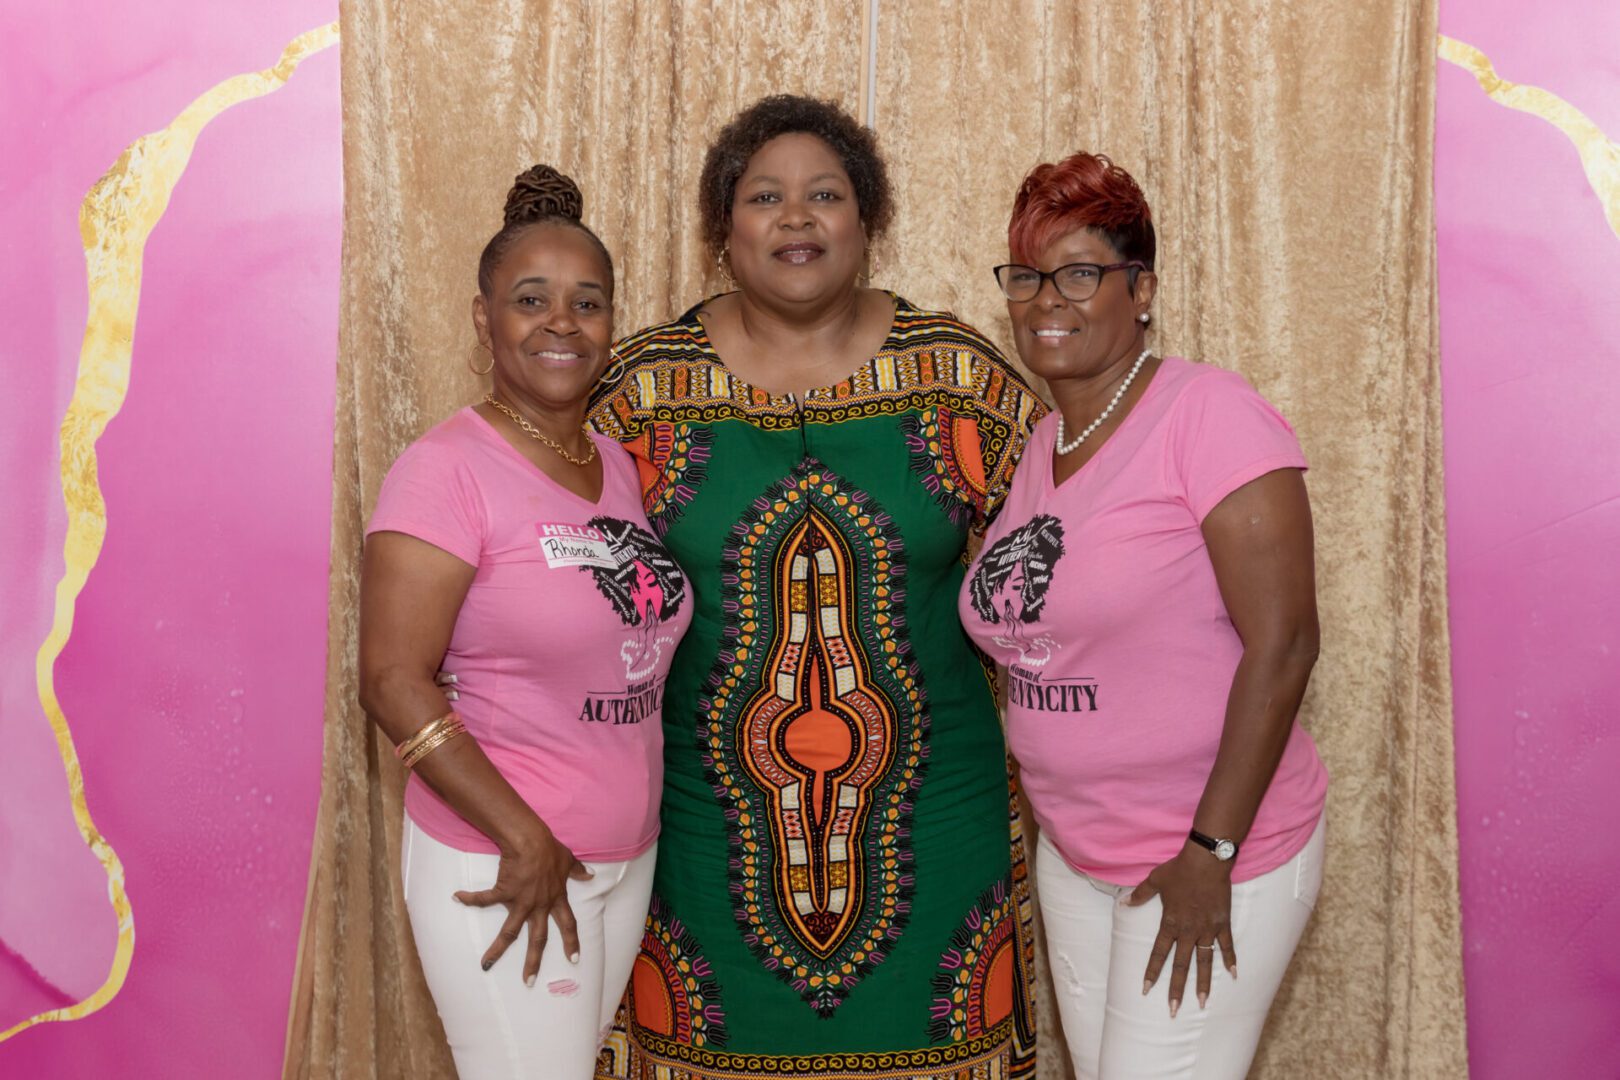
point(431, 745)
point(417, 742)
point(443, 736)
point(439, 728)
point(424, 733)
point(421, 735)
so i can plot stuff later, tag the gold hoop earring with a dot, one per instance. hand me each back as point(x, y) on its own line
point(472, 352)
point(618, 361)
point(725, 272)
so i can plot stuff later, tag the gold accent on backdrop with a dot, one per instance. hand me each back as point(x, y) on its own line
point(1288, 154)
point(115, 220)
point(1600, 156)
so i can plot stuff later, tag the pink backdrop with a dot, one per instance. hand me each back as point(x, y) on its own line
point(192, 679)
point(1530, 346)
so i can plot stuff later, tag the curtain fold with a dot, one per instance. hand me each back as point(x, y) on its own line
point(1286, 149)
point(442, 106)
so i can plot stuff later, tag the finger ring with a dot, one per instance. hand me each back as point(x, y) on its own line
point(1211, 945)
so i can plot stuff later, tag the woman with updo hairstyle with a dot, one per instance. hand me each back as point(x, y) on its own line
point(498, 552)
point(1156, 656)
point(837, 893)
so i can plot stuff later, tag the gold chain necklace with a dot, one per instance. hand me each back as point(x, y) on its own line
point(535, 433)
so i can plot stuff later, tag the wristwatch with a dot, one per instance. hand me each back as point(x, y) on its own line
point(1224, 850)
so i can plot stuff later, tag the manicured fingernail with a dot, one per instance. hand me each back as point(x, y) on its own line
point(1174, 1005)
point(488, 964)
point(1146, 986)
point(450, 678)
point(573, 958)
point(453, 696)
point(1203, 1000)
point(1233, 970)
point(459, 900)
point(529, 982)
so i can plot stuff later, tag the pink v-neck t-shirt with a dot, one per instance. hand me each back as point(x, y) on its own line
point(1099, 597)
point(564, 640)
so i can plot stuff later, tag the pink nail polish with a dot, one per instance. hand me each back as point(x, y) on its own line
point(1203, 1001)
point(1146, 986)
point(1174, 1006)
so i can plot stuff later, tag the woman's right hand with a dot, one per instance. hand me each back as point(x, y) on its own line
point(532, 882)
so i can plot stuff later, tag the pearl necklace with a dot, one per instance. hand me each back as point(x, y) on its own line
point(1086, 434)
point(535, 433)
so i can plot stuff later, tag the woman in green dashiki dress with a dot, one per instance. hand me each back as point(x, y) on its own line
point(837, 894)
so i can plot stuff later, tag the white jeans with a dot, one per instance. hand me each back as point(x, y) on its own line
point(500, 1029)
point(1099, 953)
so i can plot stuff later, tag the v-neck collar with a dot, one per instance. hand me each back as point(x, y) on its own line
point(602, 444)
point(1049, 473)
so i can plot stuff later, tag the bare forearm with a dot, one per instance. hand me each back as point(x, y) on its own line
point(461, 775)
point(459, 772)
point(1260, 710)
point(400, 698)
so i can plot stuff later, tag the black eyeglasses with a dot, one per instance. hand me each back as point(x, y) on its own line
point(1076, 281)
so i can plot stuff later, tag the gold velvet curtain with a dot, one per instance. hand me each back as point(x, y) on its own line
point(1286, 148)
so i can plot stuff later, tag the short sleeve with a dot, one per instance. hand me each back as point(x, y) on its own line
point(1223, 434)
point(1009, 412)
point(431, 494)
point(619, 407)
point(616, 410)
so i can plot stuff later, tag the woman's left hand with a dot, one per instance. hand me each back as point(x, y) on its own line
point(1196, 891)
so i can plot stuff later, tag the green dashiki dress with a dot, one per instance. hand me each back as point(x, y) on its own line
point(836, 895)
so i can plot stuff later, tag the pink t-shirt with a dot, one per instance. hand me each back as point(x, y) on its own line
point(1099, 598)
point(564, 641)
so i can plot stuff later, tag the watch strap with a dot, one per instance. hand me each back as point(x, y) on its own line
point(1212, 844)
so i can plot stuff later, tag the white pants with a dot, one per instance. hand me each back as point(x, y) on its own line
point(500, 1029)
point(1099, 954)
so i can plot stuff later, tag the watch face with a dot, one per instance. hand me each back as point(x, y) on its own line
point(1225, 849)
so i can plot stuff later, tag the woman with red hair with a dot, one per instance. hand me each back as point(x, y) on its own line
point(1159, 542)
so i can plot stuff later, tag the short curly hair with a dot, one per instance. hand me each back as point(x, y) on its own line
point(789, 114)
point(1083, 191)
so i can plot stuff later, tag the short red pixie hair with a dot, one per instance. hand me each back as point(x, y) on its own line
point(1083, 191)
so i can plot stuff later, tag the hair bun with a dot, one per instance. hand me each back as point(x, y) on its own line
point(541, 192)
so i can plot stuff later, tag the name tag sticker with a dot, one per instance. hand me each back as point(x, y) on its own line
point(574, 545)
